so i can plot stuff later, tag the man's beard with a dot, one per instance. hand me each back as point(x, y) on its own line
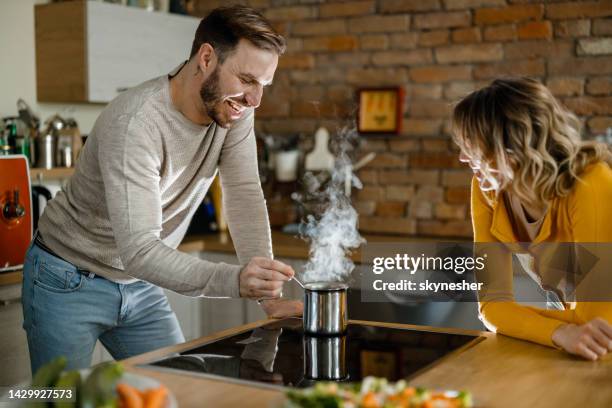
point(211, 98)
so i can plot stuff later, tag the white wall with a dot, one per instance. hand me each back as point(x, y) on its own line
point(18, 67)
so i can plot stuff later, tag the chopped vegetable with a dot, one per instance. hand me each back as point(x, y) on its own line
point(375, 392)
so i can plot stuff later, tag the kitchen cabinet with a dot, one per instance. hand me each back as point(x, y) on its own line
point(90, 51)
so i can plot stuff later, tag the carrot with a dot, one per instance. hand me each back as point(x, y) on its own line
point(370, 400)
point(156, 397)
point(130, 397)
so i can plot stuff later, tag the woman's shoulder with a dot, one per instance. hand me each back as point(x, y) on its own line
point(595, 182)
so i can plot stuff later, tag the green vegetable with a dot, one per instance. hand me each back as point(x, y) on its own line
point(314, 400)
point(466, 399)
point(70, 379)
point(47, 376)
point(98, 391)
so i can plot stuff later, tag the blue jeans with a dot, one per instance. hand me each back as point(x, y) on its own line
point(65, 310)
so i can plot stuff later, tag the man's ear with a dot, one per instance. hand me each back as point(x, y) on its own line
point(206, 56)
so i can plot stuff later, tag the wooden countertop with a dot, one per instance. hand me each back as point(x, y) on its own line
point(499, 371)
point(289, 246)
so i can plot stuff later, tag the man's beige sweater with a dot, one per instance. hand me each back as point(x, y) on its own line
point(142, 174)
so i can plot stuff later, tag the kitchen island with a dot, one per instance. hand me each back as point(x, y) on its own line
point(498, 370)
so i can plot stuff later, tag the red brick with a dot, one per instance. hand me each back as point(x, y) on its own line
point(410, 176)
point(320, 27)
point(424, 91)
point(594, 46)
point(467, 35)
point(317, 76)
point(435, 145)
point(561, 86)
point(573, 28)
point(574, 9)
point(579, 66)
point(535, 30)
point(404, 145)
point(420, 209)
point(389, 160)
point(404, 41)
point(433, 38)
point(590, 105)
point(440, 73)
point(456, 178)
point(287, 125)
point(390, 208)
point(457, 195)
point(602, 26)
point(463, 4)
point(456, 90)
point(387, 225)
point(309, 93)
point(410, 57)
point(340, 93)
point(532, 49)
point(371, 193)
point(374, 42)
point(508, 14)
point(430, 194)
point(506, 32)
point(443, 20)
point(599, 124)
point(318, 109)
point(379, 24)
point(331, 43)
point(270, 108)
point(376, 76)
point(368, 176)
point(447, 211)
point(428, 108)
point(445, 228)
point(400, 193)
point(353, 8)
point(533, 68)
point(401, 6)
point(375, 145)
point(470, 53)
point(335, 59)
point(291, 13)
point(599, 86)
point(296, 61)
point(437, 160)
point(365, 207)
point(421, 127)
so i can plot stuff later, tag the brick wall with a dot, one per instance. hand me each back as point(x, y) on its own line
point(439, 50)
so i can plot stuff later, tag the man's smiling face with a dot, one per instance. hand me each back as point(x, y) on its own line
point(237, 83)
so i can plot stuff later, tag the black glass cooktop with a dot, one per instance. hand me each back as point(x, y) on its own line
point(280, 354)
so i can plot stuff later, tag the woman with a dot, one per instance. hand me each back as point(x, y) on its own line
point(537, 185)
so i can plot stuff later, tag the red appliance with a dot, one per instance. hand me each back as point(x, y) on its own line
point(15, 211)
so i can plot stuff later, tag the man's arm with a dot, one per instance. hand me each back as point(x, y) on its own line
point(130, 161)
point(243, 199)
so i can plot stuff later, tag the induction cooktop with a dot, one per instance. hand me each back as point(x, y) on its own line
point(280, 354)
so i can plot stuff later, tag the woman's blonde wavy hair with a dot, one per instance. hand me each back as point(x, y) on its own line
point(517, 127)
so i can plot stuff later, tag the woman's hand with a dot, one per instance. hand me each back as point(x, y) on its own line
point(591, 340)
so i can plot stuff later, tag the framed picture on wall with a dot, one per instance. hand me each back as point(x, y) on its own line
point(380, 110)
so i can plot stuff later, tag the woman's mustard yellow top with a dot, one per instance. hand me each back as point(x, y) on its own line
point(583, 216)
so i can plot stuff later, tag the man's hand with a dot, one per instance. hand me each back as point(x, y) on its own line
point(281, 308)
point(591, 340)
point(264, 278)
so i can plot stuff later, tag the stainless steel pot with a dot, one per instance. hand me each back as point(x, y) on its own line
point(325, 358)
point(325, 308)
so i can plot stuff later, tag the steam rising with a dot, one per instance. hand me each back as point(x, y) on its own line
point(333, 231)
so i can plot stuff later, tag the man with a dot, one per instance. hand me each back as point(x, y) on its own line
point(107, 243)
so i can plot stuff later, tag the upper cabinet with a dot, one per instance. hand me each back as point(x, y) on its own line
point(90, 51)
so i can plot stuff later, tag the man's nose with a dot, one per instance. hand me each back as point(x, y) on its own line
point(253, 97)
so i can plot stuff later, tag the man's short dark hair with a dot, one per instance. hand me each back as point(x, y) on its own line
point(224, 27)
